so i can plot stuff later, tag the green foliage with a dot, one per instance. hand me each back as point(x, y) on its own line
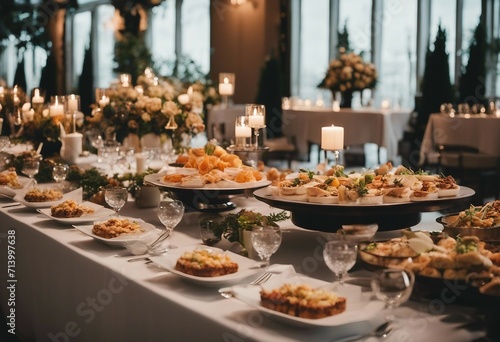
point(132, 56)
point(436, 86)
point(232, 224)
point(91, 181)
point(270, 92)
point(472, 87)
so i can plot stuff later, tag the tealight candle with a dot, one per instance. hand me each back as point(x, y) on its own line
point(332, 138)
point(256, 120)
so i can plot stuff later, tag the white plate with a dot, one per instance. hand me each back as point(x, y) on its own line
point(157, 179)
point(75, 195)
point(100, 212)
point(246, 267)
point(123, 239)
point(360, 306)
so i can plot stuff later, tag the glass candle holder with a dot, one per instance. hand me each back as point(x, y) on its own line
point(101, 97)
point(125, 80)
point(226, 87)
point(256, 114)
point(57, 108)
point(242, 132)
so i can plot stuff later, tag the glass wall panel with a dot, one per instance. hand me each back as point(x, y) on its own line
point(162, 25)
point(196, 32)
point(314, 47)
point(444, 13)
point(398, 63)
point(357, 17)
point(105, 46)
point(82, 23)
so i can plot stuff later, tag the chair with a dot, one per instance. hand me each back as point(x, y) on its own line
point(471, 168)
point(281, 149)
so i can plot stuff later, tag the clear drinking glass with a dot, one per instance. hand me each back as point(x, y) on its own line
point(393, 286)
point(116, 198)
point(340, 256)
point(266, 241)
point(59, 173)
point(31, 167)
point(170, 213)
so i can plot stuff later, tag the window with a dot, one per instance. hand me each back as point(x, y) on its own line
point(196, 32)
point(162, 43)
point(398, 53)
point(314, 23)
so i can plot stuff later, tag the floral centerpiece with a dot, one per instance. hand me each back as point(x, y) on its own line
point(349, 73)
point(156, 106)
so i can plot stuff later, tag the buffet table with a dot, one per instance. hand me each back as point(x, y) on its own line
point(71, 287)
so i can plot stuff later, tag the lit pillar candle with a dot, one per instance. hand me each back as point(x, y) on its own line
point(56, 109)
point(332, 138)
point(226, 88)
point(73, 103)
point(37, 98)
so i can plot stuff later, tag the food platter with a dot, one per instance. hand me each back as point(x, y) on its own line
point(361, 305)
point(331, 217)
point(211, 197)
point(438, 289)
point(123, 239)
point(246, 267)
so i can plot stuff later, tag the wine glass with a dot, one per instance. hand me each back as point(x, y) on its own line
point(340, 256)
point(393, 286)
point(170, 213)
point(116, 197)
point(30, 168)
point(59, 173)
point(266, 240)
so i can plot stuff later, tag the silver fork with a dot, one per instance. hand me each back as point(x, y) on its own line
point(227, 292)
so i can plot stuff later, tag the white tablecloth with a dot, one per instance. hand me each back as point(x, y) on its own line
point(382, 127)
point(71, 287)
point(479, 131)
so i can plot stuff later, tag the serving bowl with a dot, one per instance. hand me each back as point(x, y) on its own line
point(358, 232)
point(490, 234)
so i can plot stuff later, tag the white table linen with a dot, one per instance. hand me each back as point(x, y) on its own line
point(479, 131)
point(71, 286)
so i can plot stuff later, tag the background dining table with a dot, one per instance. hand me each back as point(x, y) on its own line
point(69, 286)
point(480, 131)
point(383, 127)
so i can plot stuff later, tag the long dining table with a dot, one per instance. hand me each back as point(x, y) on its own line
point(66, 286)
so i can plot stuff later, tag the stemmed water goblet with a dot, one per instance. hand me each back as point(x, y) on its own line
point(266, 241)
point(340, 256)
point(59, 173)
point(393, 286)
point(170, 213)
point(116, 198)
point(30, 168)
